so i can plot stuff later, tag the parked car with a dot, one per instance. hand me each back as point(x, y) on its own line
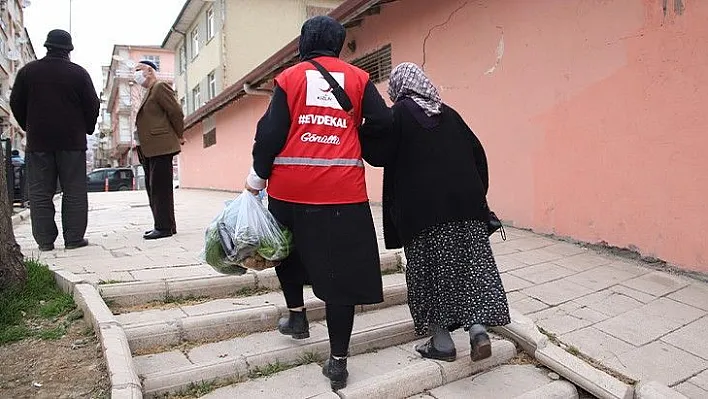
point(119, 179)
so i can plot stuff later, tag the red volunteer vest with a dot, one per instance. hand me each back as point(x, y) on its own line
point(321, 160)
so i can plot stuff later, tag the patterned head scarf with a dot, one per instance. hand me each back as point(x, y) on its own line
point(408, 80)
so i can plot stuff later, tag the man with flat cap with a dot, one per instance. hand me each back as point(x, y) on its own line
point(55, 102)
point(160, 125)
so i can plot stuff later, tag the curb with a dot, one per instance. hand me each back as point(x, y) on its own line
point(389, 334)
point(224, 325)
point(602, 385)
point(143, 292)
point(119, 360)
point(426, 375)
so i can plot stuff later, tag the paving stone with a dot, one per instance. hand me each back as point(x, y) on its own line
point(512, 283)
point(601, 277)
point(655, 390)
point(695, 295)
point(168, 273)
point(557, 321)
point(660, 362)
point(531, 243)
point(651, 321)
point(657, 283)
point(596, 344)
point(632, 293)
point(300, 382)
point(542, 273)
point(150, 316)
point(691, 338)
point(536, 256)
point(370, 365)
point(557, 292)
point(609, 302)
point(691, 391)
point(701, 380)
point(566, 249)
point(554, 390)
point(504, 248)
point(234, 304)
point(526, 304)
point(507, 263)
point(583, 262)
point(503, 382)
point(148, 364)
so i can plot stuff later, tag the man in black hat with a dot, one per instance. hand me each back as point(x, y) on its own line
point(55, 102)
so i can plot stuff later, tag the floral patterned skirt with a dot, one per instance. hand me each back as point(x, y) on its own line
point(453, 280)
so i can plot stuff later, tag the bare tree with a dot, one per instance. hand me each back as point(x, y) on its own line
point(12, 266)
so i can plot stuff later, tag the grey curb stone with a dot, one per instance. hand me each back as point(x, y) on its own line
point(66, 280)
point(523, 331)
point(597, 382)
point(119, 359)
point(144, 336)
point(425, 375)
point(130, 392)
point(174, 380)
point(93, 306)
point(142, 292)
point(554, 390)
point(656, 390)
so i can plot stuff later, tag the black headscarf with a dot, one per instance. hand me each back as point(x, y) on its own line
point(321, 36)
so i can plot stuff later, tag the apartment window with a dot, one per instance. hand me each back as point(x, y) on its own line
point(196, 98)
point(195, 42)
point(182, 59)
point(211, 80)
point(209, 132)
point(154, 58)
point(183, 103)
point(377, 64)
point(210, 23)
point(124, 128)
point(313, 11)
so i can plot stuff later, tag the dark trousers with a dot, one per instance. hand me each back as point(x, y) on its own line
point(43, 169)
point(158, 184)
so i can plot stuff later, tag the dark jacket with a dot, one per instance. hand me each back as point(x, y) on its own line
point(435, 171)
point(55, 102)
point(160, 121)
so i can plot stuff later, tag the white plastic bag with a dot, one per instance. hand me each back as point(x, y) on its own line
point(248, 235)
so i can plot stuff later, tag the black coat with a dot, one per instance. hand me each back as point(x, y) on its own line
point(54, 101)
point(435, 171)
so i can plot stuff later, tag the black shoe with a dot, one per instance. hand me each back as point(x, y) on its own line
point(77, 244)
point(481, 347)
point(157, 234)
point(295, 325)
point(428, 351)
point(46, 247)
point(336, 371)
point(174, 231)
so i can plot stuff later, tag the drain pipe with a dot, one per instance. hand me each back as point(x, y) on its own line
point(256, 92)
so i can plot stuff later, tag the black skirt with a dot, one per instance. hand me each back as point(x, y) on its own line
point(336, 251)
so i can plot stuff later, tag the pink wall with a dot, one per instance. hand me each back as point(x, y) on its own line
point(591, 113)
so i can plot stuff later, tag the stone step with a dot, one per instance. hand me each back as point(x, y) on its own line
point(395, 372)
point(237, 358)
point(156, 329)
point(145, 292)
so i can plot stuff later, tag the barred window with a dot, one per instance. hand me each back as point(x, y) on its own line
point(377, 64)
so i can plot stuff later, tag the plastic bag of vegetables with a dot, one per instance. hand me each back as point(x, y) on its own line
point(249, 237)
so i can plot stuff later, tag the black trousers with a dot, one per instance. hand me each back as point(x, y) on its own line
point(43, 170)
point(158, 184)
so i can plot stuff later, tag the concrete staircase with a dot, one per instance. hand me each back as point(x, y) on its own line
point(216, 337)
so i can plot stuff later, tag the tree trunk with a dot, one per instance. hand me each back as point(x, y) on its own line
point(12, 266)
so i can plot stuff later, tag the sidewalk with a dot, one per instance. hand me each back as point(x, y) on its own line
point(642, 323)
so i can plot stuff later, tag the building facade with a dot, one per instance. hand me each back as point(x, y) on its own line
point(15, 51)
point(216, 43)
point(121, 99)
point(591, 113)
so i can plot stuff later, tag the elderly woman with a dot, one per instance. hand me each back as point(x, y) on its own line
point(434, 204)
